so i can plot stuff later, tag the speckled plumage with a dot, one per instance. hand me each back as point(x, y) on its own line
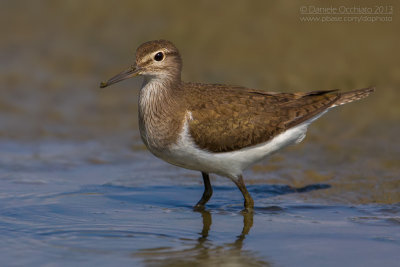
point(232, 118)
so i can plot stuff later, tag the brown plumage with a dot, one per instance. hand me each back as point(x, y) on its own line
point(230, 118)
point(227, 118)
point(217, 128)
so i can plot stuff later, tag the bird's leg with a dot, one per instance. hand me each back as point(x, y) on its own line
point(207, 192)
point(248, 200)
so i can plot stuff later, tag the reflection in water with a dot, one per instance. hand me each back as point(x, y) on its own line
point(203, 251)
point(207, 221)
point(247, 224)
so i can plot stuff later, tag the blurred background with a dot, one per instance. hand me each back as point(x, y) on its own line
point(55, 53)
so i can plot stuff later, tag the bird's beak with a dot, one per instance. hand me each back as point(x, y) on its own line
point(126, 74)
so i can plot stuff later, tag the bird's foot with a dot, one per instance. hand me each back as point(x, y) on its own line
point(199, 207)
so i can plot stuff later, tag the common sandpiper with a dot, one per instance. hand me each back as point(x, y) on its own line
point(217, 128)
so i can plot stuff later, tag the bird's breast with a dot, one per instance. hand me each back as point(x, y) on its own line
point(159, 118)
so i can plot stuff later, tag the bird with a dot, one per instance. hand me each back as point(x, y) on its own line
point(217, 128)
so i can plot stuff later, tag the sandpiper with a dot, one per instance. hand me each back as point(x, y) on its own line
point(216, 128)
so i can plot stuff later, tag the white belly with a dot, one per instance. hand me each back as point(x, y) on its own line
point(230, 164)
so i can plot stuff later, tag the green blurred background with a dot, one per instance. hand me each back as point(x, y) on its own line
point(55, 53)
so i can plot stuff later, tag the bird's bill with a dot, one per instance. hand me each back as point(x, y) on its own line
point(126, 74)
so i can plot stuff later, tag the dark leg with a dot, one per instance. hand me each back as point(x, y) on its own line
point(207, 192)
point(248, 201)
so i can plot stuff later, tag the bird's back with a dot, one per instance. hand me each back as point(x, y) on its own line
point(227, 118)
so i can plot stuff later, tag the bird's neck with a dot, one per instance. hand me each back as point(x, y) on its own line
point(158, 110)
point(158, 91)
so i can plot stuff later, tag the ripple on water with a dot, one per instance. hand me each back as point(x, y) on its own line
point(120, 213)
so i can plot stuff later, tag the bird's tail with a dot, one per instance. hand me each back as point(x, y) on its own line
point(354, 95)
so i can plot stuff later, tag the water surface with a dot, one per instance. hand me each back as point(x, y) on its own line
point(66, 203)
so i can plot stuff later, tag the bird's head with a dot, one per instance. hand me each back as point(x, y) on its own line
point(156, 59)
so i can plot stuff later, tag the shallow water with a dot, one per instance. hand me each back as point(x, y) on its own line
point(89, 203)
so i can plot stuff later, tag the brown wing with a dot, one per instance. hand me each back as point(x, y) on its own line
point(231, 118)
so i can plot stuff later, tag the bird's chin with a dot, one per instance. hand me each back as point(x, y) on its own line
point(154, 75)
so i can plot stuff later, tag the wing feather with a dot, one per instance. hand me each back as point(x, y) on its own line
point(231, 118)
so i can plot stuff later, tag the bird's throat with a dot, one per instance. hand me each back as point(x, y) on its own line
point(157, 112)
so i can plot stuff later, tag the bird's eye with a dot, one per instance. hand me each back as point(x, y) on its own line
point(159, 56)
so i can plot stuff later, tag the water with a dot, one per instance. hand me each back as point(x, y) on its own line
point(65, 203)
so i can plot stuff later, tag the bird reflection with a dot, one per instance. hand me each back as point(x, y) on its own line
point(205, 251)
point(207, 221)
point(247, 224)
